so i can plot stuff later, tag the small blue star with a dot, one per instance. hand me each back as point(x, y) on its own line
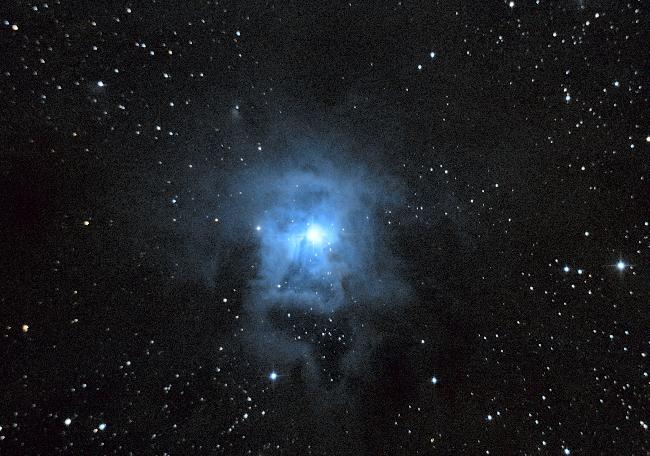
point(273, 376)
point(621, 265)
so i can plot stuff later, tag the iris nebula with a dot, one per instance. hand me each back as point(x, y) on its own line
point(322, 252)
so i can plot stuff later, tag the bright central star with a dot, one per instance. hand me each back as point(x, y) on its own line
point(315, 234)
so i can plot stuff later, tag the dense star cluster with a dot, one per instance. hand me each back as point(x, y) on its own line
point(325, 228)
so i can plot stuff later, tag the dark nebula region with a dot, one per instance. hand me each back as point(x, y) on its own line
point(324, 228)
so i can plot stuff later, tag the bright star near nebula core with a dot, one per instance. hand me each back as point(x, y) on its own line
point(315, 234)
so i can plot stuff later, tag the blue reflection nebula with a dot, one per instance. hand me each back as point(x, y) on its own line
point(322, 255)
point(320, 235)
point(306, 252)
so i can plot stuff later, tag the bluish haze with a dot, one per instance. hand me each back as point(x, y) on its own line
point(322, 251)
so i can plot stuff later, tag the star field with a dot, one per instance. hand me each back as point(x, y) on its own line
point(325, 228)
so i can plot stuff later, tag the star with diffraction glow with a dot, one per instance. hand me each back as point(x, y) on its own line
point(315, 234)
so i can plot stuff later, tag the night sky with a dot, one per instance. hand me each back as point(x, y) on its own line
point(325, 228)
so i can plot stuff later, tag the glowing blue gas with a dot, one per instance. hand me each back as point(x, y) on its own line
point(315, 234)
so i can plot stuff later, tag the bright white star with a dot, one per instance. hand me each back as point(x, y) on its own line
point(315, 234)
point(621, 265)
